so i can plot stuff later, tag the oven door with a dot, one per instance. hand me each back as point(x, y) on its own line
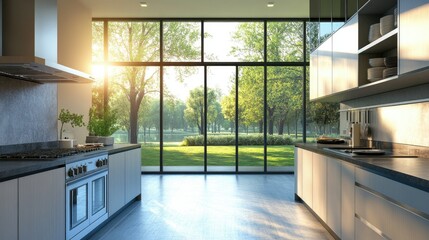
point(77, 202)
point(98, 196)
point(86, 202)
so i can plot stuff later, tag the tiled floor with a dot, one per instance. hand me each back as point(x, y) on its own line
point(213, 206)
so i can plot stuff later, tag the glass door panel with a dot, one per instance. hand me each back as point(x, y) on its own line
point(221, 119)
point(78, 205)
point(251, 119)
point(98, 194)
point(183, 119)
point(284, 115)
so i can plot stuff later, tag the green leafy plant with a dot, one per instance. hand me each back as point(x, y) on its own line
point(102, 124)
point(74, 119)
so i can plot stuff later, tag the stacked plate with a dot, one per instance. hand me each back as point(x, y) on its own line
point(377, 62)
point(375, 73)
point(374, 32)
point(388, 72)
point(387, 24)
point(390, 62)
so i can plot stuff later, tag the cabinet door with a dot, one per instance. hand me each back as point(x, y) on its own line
point(345, 57)
point(298, 172)
point(314, 78)
point(42, 205)
point(413, 38)
point(363, 232)
point(347, 201)
point(319, 185)
point(307, 178)
point(334, 195)
point(9, 209)
point(324, 61)
point(116, 182)
point(132, 174)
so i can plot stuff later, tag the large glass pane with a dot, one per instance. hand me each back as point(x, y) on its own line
point(134, 41)
point(134, 95)
point(233, 42)
point(251, 118)
point(97, 41)
point(221, 118)
point(284, 115)
point(312, 38)
point(285, 41)
point(183, 115)
point(182, 41)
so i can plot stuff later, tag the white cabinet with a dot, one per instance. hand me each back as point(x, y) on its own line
point(334, 195)
point(319, 185)
point(132, 174)
point(116, 191)
point(391, 208)
point(298, 171)
point(413, 40)
point(314, 77)
point(347, 201)
point(364, 232)
point(345, 57)
point(307, 178)
point(124, 178)
point(41, 205)
point(324, 61)
point(9, 209)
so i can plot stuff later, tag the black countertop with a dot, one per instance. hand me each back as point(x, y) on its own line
point(410, 171)
point(11, 169)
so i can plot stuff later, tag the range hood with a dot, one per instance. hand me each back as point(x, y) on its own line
point(29, 43)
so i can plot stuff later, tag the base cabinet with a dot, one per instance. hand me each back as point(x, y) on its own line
point(124, 178)
point(41, 205)
point(9, 209)
point(334, 195)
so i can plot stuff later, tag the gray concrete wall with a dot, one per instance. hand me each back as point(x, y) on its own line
point(28, 112)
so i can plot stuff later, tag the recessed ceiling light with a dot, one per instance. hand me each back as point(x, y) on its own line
point(143, 4)
point(270, 4)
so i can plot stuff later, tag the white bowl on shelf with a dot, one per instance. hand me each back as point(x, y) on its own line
point(376, 62)
point(387, 24)
point(374, 32)
point(375, 73)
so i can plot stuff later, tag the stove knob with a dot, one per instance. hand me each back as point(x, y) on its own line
point(75, 171)
point(80, 169)
point(105, 161)
point(85, 168)
point(99, 163)
point(70, 172)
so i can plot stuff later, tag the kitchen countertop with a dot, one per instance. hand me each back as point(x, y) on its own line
point(410, 171)
point(11, 169)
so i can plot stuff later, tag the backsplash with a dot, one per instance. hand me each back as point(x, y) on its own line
point(399, 117)
point(28, 112)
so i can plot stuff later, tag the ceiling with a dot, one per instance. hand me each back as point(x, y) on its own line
point(199, 8)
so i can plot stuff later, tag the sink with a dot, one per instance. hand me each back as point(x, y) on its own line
point(366, 152)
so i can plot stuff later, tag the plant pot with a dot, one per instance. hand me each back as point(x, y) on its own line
point(66, 143)
point(106, 141)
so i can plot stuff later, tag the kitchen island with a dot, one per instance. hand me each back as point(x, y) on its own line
point(364, 197)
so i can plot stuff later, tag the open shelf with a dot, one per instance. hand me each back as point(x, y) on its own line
point(382, 44)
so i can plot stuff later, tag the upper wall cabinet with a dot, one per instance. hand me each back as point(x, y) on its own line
point(324, 62)
point(414, 37)
point(345, 57)
point(388, 31)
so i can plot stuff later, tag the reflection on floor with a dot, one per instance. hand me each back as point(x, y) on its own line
point(223, 206)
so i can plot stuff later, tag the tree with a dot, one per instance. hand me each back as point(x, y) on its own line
point(139, 42)
point(194, 112)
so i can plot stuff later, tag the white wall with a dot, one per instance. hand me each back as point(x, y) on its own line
point(74, 50)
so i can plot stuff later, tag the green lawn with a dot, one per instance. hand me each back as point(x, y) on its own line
point(218, 155)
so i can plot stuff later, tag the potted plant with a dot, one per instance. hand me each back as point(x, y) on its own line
point(101, 126)
point(73, 119)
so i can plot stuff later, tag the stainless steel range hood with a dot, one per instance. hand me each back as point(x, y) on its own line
point(29, 43)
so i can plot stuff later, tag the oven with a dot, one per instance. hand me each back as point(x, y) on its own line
point(86, 195)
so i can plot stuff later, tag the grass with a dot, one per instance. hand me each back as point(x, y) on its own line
point(175, 155)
